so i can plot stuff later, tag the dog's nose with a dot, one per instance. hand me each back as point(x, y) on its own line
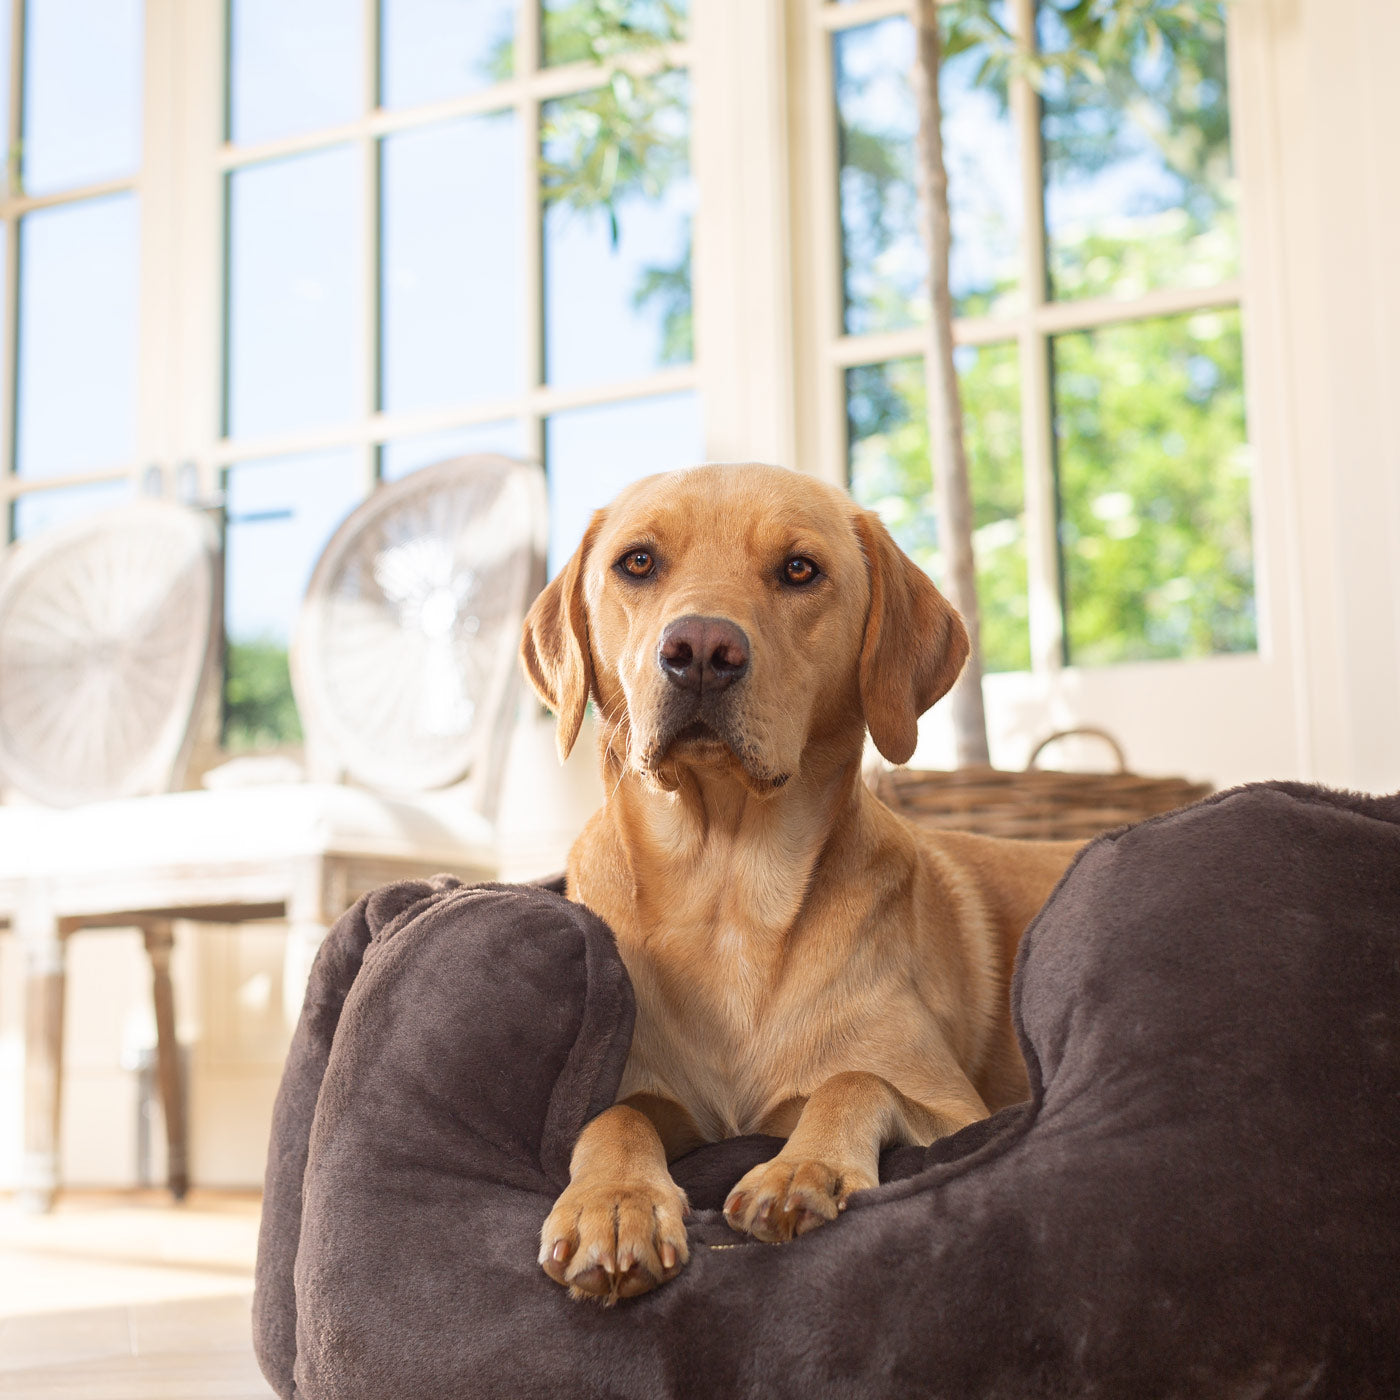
point(703, 653)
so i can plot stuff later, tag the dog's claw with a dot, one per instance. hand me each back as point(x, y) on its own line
point(782, 1199)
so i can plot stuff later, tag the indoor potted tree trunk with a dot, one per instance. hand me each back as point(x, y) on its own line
point(952, 492)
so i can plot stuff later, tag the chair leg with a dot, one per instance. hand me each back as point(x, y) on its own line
point(160, 939)
point(44, 952)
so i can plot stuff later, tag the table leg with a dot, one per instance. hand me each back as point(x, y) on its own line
point(160, 940)
point(307, 926)
point(44, 951)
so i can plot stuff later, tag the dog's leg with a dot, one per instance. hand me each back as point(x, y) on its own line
point(618, 1229)
point(834, 1150)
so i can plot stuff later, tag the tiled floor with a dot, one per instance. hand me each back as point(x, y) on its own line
point(123, 1297)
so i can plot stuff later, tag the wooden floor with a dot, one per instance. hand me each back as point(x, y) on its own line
point(124, 1297)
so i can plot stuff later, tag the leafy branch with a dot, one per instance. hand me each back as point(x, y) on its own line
point(627, 136)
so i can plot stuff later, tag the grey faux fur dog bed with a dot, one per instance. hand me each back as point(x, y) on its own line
point(1201, 1199)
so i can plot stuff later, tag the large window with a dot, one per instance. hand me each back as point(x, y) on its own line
point(1094, 274)
point(450, 228)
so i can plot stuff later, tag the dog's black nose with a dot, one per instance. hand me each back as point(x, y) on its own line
point(703, 653)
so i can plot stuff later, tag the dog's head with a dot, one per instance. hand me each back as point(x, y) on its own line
point(735, 617)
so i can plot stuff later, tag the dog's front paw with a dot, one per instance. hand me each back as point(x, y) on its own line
point(784, 1198)
point(608, 1242)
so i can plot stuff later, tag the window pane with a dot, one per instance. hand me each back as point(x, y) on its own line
point(397, 459)
point(431, 50)
point(581, 31)
point(39, 511)
point(82, 92)
point(295, 292)
point(77, 336)
point(1139, 189)
point(890, 473)
point(885, 271)
point(294, 67)
point(452, 264)
point(1154, 489)
point(594, 452)
point(617, 275)
point(6, 29)
point(281, 513)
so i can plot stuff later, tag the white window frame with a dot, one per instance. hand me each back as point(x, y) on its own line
point(523, 94)
point(15, 205)
point(1031, 329)
point(1225, 717)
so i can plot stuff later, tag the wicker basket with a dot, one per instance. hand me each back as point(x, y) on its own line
point(1038, 804)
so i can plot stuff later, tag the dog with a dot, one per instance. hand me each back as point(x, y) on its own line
point(806, 962)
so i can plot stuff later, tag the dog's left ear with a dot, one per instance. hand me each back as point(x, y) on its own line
point(915, 642)
point(554, 647)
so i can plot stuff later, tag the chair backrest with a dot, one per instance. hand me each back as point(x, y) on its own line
point(404, 661)
point(107, 630)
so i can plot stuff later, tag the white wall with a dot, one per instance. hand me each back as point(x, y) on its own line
point(1322, 172)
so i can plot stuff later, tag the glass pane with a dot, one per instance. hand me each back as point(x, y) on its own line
point(39, 511)
point(82, 92)
point(294, 67)
point(1154, 489)
point(890, 473)
point(594, 452)
point(296, 275)
point(1139, 188)
point(5, 34)
point(397, 459)
point(617, 231)
point(431, 50)
point(77, 336)
point(281, 513)
point(883, 256)
point(584, 31)
point(453, 272)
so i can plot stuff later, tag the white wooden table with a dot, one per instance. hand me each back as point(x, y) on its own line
point(303, 852)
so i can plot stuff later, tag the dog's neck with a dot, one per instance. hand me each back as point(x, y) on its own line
point(730, 856)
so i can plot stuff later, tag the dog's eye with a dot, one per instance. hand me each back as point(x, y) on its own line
point(799, 570)
point(637, 562)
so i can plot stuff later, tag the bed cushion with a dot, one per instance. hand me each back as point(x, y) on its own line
point(1201, 1198)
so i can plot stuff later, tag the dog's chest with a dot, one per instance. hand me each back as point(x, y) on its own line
point(718, 1029)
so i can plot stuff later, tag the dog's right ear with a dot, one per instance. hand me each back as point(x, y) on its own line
point(554, 647)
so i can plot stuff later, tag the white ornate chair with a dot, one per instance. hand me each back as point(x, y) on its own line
point(405, 676)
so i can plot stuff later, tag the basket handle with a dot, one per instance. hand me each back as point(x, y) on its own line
point(1088, 729)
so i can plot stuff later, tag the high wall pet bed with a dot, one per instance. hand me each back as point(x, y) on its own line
point(1202, 1197)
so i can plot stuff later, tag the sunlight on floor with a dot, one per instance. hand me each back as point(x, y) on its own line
point(123, 1295)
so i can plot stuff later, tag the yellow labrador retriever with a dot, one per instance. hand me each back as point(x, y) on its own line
point(806, 962)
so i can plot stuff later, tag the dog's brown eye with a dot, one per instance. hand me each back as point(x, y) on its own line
point(637, 562)
point(799, 570)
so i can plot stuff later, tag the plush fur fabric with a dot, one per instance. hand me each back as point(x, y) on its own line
point(1201, 1199)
